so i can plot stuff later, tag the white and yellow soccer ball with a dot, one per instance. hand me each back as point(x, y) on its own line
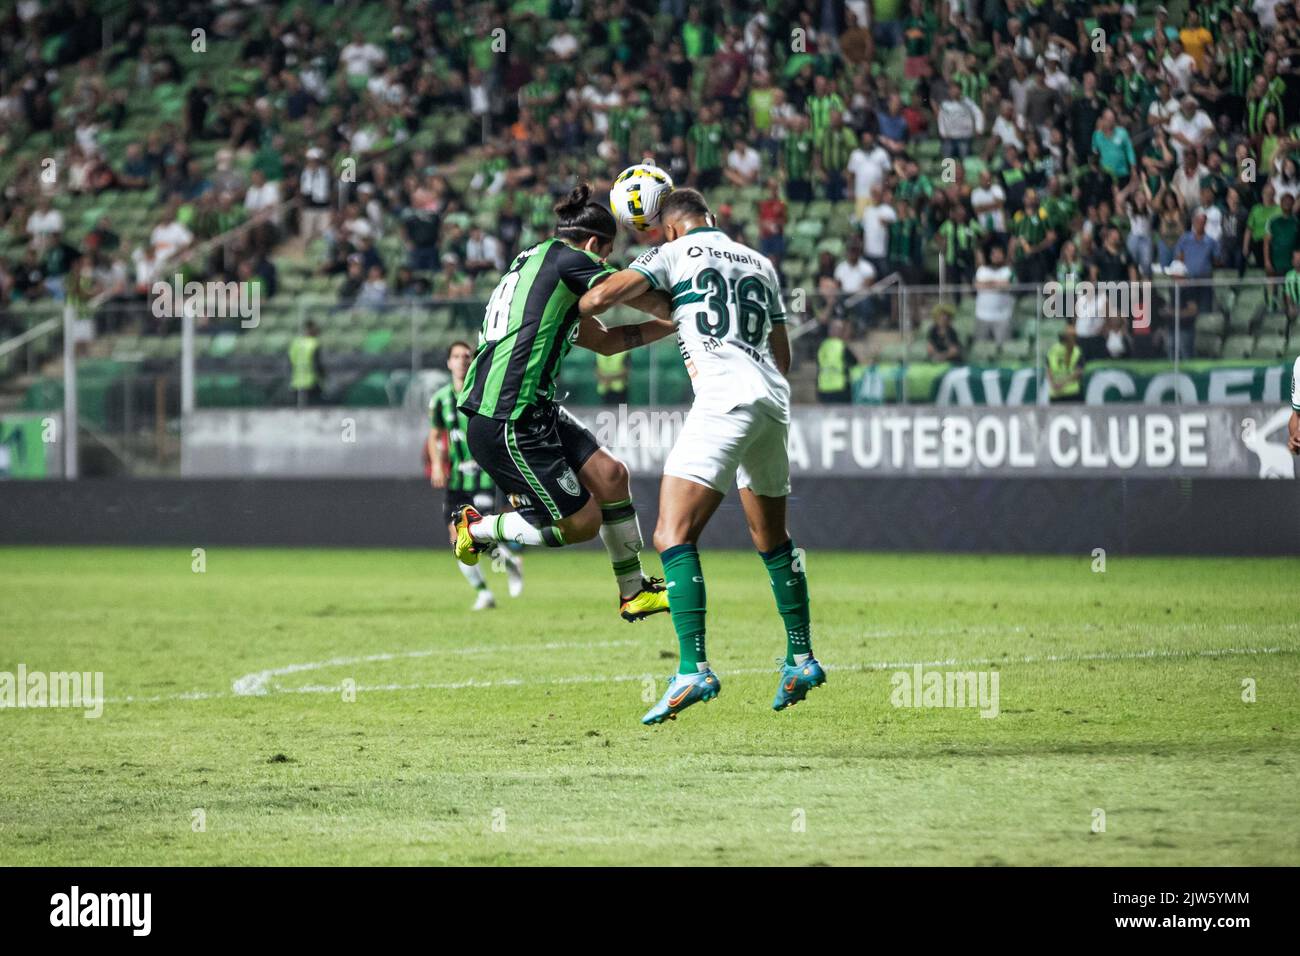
point(637, 194)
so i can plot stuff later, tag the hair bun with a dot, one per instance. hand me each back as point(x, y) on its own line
point(573, 204)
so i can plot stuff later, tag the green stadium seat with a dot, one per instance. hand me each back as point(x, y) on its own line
point(377, 341)
point(219, 345)
point(1270, 323)
point(893, 352)
point(1017, 350)
point(1238, 347)
point(1270, 347)
point(984, 353)
point(810, 228)
point(1241, 321)
point(1049, 330)
point(1247, 307)
point(1211, 323)
point(1208, 345)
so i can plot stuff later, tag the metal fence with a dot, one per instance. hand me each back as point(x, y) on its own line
point(128, 355)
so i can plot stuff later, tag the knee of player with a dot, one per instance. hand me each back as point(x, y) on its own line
point(668, 536)
point(613, 477)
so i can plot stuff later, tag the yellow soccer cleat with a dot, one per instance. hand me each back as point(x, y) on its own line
point(651, 599)
point(465, 548)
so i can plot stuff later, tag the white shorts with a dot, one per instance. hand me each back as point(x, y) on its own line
point(746, 445)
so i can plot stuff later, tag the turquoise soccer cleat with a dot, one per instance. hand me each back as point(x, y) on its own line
point(796, 681)
point(683, 690)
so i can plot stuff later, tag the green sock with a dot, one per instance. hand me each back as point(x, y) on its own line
point(686, 603)
point(790, 586)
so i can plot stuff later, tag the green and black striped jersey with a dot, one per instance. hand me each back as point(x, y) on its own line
point(464, 473)
point(530, 325)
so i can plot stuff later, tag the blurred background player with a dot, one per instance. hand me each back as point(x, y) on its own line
point(731, 332)
point(565, 487)
point(452, 468)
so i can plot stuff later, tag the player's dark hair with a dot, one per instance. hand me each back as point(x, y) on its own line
point(683, 202)
point(457, 344)
point(578, 218)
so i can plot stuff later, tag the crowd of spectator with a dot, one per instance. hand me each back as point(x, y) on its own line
point(1079, 146)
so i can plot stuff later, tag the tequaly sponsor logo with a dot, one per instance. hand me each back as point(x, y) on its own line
point(75, 908)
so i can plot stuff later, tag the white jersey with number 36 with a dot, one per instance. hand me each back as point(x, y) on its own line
point(726, 297)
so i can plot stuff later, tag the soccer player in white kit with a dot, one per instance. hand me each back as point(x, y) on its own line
point(1293, 424)
point(730, 322)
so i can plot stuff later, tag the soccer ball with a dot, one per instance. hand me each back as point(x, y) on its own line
point(637, 194)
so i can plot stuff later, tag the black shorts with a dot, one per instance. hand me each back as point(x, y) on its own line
point(484, 500)
point(535, 460)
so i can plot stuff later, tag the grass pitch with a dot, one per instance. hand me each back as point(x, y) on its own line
point(512, 737)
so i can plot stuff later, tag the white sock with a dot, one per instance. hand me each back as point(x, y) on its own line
point(473, 575)
point(511, 526)
point(621, 534)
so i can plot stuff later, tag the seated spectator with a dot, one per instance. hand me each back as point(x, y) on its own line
point(354, 281)
point(136, 171)
point(941, 341)
point(483, 254)
point(44, 224)
point(743, 164)
point(171, 236)
point(451, 282)
point(374, 291)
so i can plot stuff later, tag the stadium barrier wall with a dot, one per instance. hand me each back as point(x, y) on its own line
point(1156, 441)
point(1225, 516)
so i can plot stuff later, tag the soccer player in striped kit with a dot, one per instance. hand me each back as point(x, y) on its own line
point(565, 487)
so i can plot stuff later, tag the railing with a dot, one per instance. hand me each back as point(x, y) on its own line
point(1234, 341)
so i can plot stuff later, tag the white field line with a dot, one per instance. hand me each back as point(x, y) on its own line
point(267, 688)
point(256, 683)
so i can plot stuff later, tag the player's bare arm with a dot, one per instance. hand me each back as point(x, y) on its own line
point(1293, 433)
point(779, 341)
point(437, 457)
point(622, 338)
point(622, 288)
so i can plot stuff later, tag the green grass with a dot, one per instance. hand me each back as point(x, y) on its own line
point(417, 770)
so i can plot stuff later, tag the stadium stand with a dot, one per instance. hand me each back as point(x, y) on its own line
point(374, 165)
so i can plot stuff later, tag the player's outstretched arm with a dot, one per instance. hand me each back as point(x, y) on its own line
point(593, 335)
point(625, 287)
